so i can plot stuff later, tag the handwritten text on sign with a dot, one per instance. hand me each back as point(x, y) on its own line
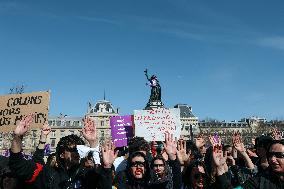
point(121, 130)
point(15, 106)
point(153, 124)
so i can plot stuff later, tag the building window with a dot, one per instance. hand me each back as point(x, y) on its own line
point(53, 133)
point(52, 143)
point(58, 123)
point(49, 122)
point(102, 123)
point(67, 123)
point(34, 133)
point(71, 132)
point(76, 123)
point(62, 133)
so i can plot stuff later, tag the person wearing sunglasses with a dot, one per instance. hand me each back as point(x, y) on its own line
point(195, 176)
point(68, 173)
point(271, 178)
point(136, 174)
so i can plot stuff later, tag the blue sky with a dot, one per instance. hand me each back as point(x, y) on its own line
point(224, 58)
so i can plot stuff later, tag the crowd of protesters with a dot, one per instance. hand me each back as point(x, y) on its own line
point(170, 164)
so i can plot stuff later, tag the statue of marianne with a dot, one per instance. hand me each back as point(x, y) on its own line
point(153, 82)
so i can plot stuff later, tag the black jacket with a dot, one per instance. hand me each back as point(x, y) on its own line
point(124, 180)
point(45, 177)
point(267, 180)
point(173, 179)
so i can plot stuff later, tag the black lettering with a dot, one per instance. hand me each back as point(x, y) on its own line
point(17, 101)
point(39, 99)
point(33, 100)
point(9, 103)
point(17, 110)
point(5, 121)
point(40, 118)
point(18, 118)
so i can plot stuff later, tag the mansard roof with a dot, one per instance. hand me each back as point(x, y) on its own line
point(102, 106)
point(185, 110)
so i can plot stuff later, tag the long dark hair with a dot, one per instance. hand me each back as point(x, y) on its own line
point(188, 170)
point(147, 168)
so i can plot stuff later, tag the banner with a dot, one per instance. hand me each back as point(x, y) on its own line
point(15, 106)
point(153, 124)
point(121, 130)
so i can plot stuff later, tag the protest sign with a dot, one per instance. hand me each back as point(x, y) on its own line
point(153, 124)
point(15, 106)
point(121, 130)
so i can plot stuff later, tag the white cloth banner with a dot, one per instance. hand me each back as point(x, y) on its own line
point(84, 150)
point(153, 124)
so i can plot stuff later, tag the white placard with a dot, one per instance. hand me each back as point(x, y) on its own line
point(153, 124)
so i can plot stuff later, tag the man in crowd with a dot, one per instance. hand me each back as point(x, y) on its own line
point(67, 174)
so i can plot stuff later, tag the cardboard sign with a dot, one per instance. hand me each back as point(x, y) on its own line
point(15, 106)
point(153, 124)
point(121, 130)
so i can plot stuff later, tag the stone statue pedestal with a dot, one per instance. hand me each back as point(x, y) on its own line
point(154, 104)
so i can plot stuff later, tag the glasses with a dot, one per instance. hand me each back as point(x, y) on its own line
point(158, 165)
point(199, 175)
point(276, 154)
point(138, 164)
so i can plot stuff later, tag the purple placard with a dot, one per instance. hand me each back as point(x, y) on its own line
point(121, 130)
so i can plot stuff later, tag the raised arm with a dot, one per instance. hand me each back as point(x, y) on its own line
point(239, 145)
point(170, 146)
point(89, 131)
point(27, 170)
point(39, 153)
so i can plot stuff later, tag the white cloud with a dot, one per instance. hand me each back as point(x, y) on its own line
point(274, 42)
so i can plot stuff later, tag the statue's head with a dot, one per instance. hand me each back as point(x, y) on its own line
point(153, 77)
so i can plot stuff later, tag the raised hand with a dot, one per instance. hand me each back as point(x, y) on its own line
point(181, 152)
point(237, 142)
point(89, 131)
point(170, 146)
point(45, 130)
point(218, 159)
point(108, 154)
point(24, 125)
point(276, 135)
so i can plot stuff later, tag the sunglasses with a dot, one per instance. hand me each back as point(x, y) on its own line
point(199, 175)
point(138, 164)
point(276, 154)
point(158, 165)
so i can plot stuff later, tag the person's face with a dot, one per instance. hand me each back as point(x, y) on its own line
point(202, 150)
point(198, 177)
point(228, 151)
point(53, 162)
point(89, 163)
point(138, 167)
point(159, 167)
point(71, 156)
point(276, 158)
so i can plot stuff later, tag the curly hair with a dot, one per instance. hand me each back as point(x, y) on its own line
point(138, 144)
point(65, 142)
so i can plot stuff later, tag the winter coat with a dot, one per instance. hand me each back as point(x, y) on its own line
point(45, 177)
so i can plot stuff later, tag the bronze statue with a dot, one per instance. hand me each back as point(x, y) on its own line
point(155, 87)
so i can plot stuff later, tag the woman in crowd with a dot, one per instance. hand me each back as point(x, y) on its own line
point(195, 176)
